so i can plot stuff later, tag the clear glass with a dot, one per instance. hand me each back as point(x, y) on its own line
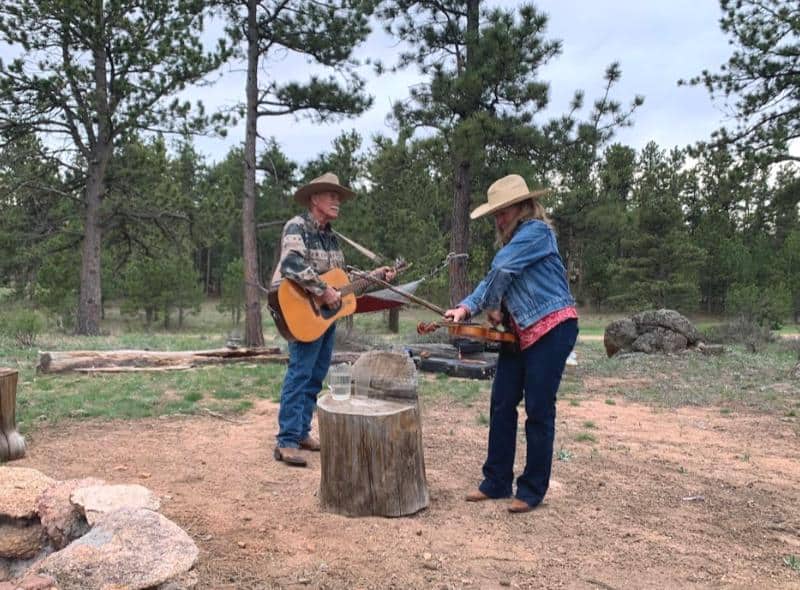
point(339, 381)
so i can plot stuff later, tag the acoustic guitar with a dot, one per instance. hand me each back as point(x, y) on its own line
point(300, 316)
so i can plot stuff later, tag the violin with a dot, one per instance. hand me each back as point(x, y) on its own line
point(468, 330)
point(462, 329)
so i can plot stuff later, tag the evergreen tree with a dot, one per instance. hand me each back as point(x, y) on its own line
point(325, 33)
point(482, 96)
point(762, 77)
point(660, 265)
point(93, 73)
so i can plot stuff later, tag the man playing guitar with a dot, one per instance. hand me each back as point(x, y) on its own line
point(309, 248)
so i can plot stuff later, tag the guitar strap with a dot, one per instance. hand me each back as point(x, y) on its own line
point(376, 258)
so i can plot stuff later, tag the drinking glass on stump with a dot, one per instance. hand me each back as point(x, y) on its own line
point(339, 381)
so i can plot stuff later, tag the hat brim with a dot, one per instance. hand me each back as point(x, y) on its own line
point(487, 208)
point(303, 194)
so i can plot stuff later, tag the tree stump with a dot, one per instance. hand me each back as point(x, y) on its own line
point(372, 462)
point(12, 445)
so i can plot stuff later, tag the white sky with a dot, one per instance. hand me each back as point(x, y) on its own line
point(656, 42)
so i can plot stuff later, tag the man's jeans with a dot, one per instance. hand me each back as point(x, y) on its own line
point(535, 373)
point(308, 365)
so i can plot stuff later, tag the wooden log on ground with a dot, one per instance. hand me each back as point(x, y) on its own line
point(12, 444)
point(88, 361)
point(372, 461)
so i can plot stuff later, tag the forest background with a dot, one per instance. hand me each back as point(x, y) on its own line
point(104, 196)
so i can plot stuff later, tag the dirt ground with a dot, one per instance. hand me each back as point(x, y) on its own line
point(685, 498)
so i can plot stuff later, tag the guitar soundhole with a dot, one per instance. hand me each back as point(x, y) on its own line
point(328, 312)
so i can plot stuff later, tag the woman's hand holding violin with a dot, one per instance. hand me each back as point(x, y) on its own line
point(457, 314)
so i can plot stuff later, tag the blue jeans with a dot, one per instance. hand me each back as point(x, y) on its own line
point(535, 374)
point(308, 365)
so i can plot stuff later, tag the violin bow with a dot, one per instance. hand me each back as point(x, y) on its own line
point(409, 296)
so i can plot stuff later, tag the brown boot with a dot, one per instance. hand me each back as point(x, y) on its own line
point(309, 443)
point(476, 496)
point(290, 456)
point(518, 506)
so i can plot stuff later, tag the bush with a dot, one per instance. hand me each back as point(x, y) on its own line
point(23, 325)
point(763, 306)
point(741, 330)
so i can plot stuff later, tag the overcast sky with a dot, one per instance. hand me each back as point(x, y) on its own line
point(656, 43)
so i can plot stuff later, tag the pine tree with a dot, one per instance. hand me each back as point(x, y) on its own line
point(761, 78)
point(325, 33)
point(93, 73)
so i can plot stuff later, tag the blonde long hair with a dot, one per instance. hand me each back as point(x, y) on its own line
point(523, 211)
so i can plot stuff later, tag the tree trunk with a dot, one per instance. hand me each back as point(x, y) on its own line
point(371, 461)
point(90, 288)
point(12, 445)
point(459, 237)
point(254, 335)
point(99, 155)
point(394, 320)
point(208, 271)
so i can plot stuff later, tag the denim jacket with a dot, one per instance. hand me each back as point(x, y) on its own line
point(527, 275)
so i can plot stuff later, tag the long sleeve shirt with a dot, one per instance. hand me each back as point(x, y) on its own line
point(308, 250)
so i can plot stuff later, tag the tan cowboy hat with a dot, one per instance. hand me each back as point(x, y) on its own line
point(504, 192)
point(321, 184)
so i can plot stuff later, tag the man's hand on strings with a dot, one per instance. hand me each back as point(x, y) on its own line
point(331, 297)
point(457, 314)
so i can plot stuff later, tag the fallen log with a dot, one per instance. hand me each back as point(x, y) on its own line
point(88, 361)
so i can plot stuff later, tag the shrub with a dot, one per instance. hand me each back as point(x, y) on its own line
point(741, 330)
point(23, 325)
point(764, 306)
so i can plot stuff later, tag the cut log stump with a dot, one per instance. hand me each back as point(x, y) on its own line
point(12, 445)
point(372, 461)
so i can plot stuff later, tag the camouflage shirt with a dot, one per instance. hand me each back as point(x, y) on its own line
point(308, 250)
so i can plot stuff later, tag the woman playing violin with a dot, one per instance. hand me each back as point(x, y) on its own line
point(527, 289)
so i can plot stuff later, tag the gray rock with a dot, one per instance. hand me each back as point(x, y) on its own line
point(20, 539)
point(31, 582)
point(653, 331)
point(96, 501)
point(62, 520)
point(129, 548)
point(619, 335)
point(659, 340)
point(19, 489)
point(187, 581)
point(669, 319)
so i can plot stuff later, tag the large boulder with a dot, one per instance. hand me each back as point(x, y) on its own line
point(652, 331)
point(105, 536)
point(19, 489)
point(129, 548)
point(62, 520)
point(96, 501)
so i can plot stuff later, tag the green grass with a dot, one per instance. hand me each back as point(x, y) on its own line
point(51, 398)
point(462, 391)
point(585, 437)
point(792, 561)
point(734, 381)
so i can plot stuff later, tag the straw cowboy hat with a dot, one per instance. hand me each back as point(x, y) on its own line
point(504, 192)
point(326, 182)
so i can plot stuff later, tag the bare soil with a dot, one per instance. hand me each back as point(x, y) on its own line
point(686, 498)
